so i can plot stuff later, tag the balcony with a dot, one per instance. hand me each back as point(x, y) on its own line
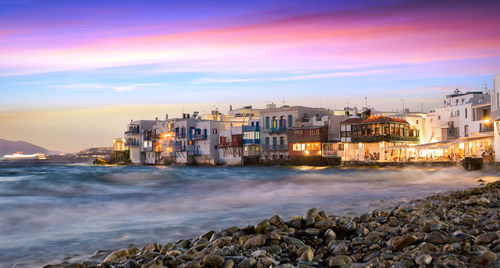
point(194, 152)
point(388, 138)
point(276, 130)
point(275, 147)
point(250, 128)
point(251, 141)
point(199, 137)
point(131, 130)
point(131, 142)
point(236, 143)
point(485, 127)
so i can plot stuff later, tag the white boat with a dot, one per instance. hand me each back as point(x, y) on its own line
point(19, 156)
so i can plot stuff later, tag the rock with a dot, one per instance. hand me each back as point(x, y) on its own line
point(485, 258)
point(152, 247)
point(247, 263)
point(276, 221)
point(193, 264)
point(311, 216)
point(228, 264)
point(120, 255)
point(223, 241)
point(293, 241)
point(486, 238)
point(213, 260)
point(255, 241)
point(425, 259)
point(258, 253)
point(436, 238)
point(130, 264)
point(338, 261)
point(400, 242)
point(261, 227)
point(305, 253)
point(330, 234)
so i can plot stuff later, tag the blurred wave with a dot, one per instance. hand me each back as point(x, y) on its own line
point(52, 210)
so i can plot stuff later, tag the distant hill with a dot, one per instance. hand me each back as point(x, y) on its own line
point(9, 147)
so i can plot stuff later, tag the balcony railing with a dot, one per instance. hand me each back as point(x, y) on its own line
point(250, 128)
point(483, 127)
point(275, 147)
point(131, 142)
point(276, 130)
point(194, 152)
point(132, 131)
point(251, 141)
point(388, 138)
point(180, 135)
point(199, 137)
point(236, 143)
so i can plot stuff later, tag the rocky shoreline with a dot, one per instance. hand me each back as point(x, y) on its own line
point(458, 229)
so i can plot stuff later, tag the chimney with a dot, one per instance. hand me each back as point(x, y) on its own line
point(230, 107)
point(166, 116)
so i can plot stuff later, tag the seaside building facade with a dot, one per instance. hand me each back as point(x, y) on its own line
point(251, 142)
point(230, 147)
point(275, 121)
point(138, 139)
point(371, 138)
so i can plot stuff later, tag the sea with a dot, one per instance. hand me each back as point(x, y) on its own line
point(50, 212)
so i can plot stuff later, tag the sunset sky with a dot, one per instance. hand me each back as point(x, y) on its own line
point(73, 73)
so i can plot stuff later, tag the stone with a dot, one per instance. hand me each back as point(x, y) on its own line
point(255, 241)
point(261, 227)
point(213, 260)
point(152, 247)
point(400, 242)
point(311, 216)
point(130, 264)
point(307, 255)
point(193, 264)
point(485, 258)
point(276, 220)
point(425, 259)
point(117, 256)
point(436, 238)
point(338, 261)
point(330, 234)
point(258, 253)
point(303, 249)
point(293, 241)
point(486, 238)
point(228, 264)
point(247, 263)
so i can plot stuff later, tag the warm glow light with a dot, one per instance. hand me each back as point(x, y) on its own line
point(487, 121)
point(307, 152)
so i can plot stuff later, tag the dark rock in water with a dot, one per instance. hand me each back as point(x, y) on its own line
point(131, 264)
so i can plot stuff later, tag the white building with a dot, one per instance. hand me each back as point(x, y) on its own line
point(139, 139)
point(190, 140)
point(495, 115)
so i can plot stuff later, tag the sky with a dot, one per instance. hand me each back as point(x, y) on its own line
point(74, 73)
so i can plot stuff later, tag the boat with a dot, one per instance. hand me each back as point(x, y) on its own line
point(19, 156)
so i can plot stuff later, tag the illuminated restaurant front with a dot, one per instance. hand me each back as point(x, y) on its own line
point(456, 150)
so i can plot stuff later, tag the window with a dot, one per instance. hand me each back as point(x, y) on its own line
point(417, 122)
point(214, 131)
point(251, 124)
point(275, 140)
point(282, 140)
point(256, 124)
point(290, 121)
point(267, 140)
point(466, 129)
point(498, 100)
point(267, 122)
point(439, 117)
point(257, 135)
point(465, 113)
point(458, 112)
